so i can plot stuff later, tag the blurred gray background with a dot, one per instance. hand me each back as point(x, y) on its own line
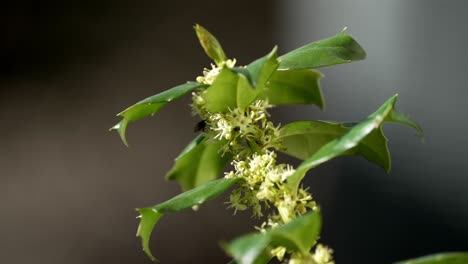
point(68, 188)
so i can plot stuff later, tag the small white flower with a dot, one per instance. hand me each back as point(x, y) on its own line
point(224, 129)
point(229, 175)
point(209, 75)
point(198, 99)
point(287, 172)
point(273, 175)
point(266, 191)
point(323, 255)
point(278, 252)
point(230, 63)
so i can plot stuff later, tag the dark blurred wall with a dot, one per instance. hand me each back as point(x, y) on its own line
point(419, 50)
point(68, 187)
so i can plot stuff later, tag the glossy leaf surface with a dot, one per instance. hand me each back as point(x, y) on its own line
point(341, 48)
point(294, 87)
point(444, 258)
point(239, 87)
point(149, 216)
point(302, 139)
point(151, 105)
point(210, 44)
point(299, 235)
point(199, 162)
point(352, 138)
point(261, 69)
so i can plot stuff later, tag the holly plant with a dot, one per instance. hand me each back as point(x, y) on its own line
point(232, 103)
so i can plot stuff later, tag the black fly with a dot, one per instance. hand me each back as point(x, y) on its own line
point(200, 126)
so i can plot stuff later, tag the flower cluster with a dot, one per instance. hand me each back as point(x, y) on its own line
point(245, 129)
point(264, 182)
point(252, 140)
point(209, 75)
point(322, 255)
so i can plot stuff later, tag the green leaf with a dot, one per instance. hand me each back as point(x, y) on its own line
point(443, 258)
point(397, 117)
point(302, 139)
point(245, 93)
point(239, 87)
point(199, 162)
point(341, 48)
point(149, 216)
point(210, 44)
point(222, 94)
point(232, 87)
point(294, 87)
point(261, 69)
point(343, 144)
point(151, 105)
point(228, 91)
point(298, 235)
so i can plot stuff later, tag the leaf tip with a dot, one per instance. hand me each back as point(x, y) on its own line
point(121, 127)
point(401, 118)
point(274, 51)
point(423, 138)
point(210, 44)
point(224, 245)
point(419, 132)
point(388, 169)
point(148, 219)
point(322, 107)
point(393, 100)
point(198, 29)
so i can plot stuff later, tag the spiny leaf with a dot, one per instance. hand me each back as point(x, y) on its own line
point(233, 87)
point(298, 235)
point(151, 105)
point(149, 216)
point(210, 44)
point(261, 69)
point(397, 117)
point(148, 219)
point(302, 139)
point(294, 87)
point(239, 87)
point(442, 258)
point(199, 162)
point(341, 48)
point(351, 139)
